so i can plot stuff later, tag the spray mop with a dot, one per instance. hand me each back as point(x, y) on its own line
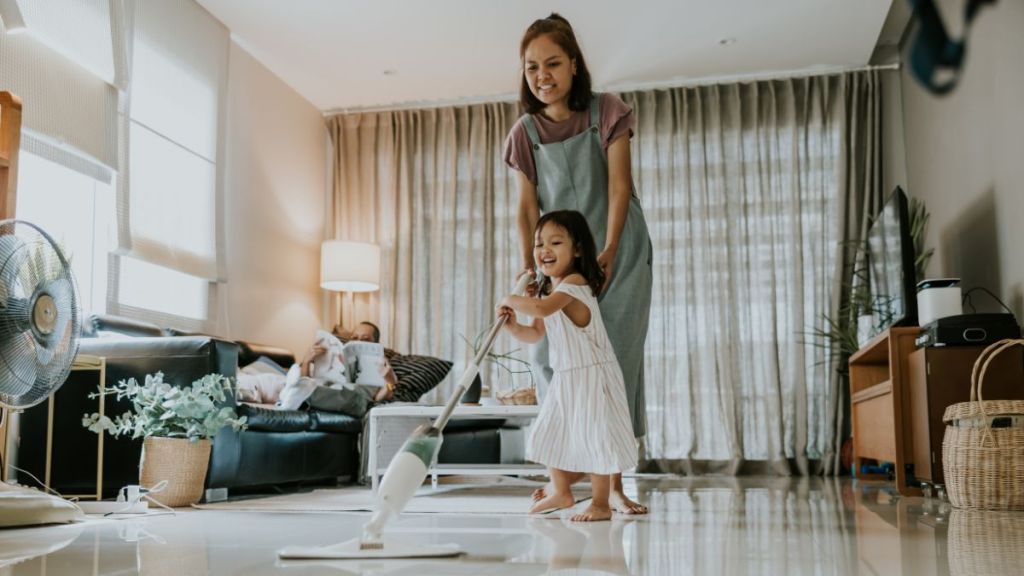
point(404, 475)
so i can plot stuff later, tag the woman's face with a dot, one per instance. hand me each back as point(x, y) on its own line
point(548, 70)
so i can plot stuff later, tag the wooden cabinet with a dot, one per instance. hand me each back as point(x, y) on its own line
point(941, 376)
point(878, 395)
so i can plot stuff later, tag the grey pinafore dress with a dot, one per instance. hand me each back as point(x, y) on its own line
point(573, 175)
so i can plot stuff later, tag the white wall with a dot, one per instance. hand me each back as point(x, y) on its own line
point(965, 157)
point(274, 204)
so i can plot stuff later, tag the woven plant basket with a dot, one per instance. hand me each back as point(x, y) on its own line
point(984, 543)
point(983, 449)
point(519, 397)
point(181, 462)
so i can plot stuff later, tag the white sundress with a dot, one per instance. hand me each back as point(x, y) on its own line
point(584, 423)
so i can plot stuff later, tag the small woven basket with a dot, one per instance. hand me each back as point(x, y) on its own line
point(181, 462)
point(983, 449)
point(519, 397)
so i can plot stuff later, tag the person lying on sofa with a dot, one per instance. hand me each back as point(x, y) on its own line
point(320, 379)
point(407, 377)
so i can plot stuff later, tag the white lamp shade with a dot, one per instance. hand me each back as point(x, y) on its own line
point(349, 266)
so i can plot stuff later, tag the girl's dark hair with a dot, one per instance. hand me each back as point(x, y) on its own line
point(558, 29)
point(586, 263)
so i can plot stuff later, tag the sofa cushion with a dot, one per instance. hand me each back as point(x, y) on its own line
point(323, 421)
point(271, 420)
point(417, 375)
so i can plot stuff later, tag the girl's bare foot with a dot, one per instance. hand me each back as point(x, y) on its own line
point(548, 488)
point(540, 493)
point(553, 502)
point(621, 503)
point(593, 513)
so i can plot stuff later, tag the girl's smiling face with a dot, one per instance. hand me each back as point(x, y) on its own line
point(554, 251)
point(548, 70)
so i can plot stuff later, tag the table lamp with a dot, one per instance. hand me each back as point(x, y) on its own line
point(349, 267)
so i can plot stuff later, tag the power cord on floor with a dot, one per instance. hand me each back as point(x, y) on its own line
point(142, 493)
point(129, 499)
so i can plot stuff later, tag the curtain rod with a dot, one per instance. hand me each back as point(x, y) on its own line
point(661, 85)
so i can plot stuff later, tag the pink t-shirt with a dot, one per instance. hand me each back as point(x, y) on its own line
point(616, 119)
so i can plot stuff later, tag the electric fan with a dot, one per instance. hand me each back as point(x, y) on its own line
point(38, 315)
point(38, 343)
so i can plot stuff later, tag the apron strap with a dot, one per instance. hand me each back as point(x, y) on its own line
point(595, 110)
point(531, 131)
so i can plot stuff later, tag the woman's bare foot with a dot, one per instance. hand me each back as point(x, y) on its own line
point(593, 513)
point(553, 502)
point(621, 503)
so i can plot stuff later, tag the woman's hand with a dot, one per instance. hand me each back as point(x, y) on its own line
point(531, 287)
point(607, 261)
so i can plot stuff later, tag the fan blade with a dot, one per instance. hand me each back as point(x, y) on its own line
point(19, 363)
point(12, 256)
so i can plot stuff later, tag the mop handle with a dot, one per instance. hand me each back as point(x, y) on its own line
point(474, 368)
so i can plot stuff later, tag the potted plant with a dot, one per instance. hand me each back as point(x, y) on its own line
point(176, 424)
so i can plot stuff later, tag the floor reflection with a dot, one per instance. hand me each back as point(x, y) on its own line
point(729, 526)
point(582, 547)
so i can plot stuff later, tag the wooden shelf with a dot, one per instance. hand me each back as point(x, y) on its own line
point(872, 391)
point(876, 351)
point(878, 395)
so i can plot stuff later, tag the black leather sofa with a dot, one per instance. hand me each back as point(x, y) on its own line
point(280, 447)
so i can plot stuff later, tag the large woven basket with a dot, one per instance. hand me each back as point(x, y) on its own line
point(181, 463)
point(983, 449)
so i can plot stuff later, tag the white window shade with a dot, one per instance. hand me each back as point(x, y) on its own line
point(169, 208)
point(77, 29)
point(173, 205)
point(179, 72)
point(63, 101)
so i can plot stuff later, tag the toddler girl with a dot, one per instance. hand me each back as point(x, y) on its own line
point(584, 424)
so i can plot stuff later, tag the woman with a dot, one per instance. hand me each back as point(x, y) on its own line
point(571, 151)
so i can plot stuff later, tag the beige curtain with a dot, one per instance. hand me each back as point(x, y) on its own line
point(431, 188)
point(749, 190)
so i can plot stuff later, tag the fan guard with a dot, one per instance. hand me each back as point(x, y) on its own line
point(39, 318)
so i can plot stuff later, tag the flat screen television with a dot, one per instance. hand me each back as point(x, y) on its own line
point(891, 268)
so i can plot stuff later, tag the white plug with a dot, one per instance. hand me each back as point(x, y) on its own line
point(131, 493)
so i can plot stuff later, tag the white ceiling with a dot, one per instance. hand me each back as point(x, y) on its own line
point(372, 53)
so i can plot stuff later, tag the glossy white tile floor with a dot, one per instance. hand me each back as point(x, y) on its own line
point(697, 526)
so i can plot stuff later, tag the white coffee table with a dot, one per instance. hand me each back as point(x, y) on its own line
point(390, 426)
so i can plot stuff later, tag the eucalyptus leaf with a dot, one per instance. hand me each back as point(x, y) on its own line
point(165, 410)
